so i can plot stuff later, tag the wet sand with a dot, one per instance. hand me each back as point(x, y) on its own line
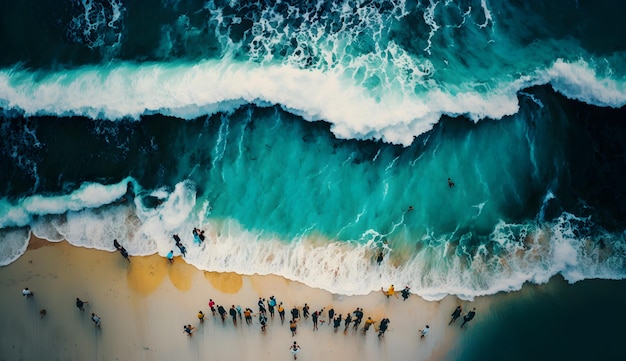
point(145, 303)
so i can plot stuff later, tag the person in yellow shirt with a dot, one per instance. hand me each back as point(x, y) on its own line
point(201, 316)
point(248, 316)
point(368, 323)
point(391, 291)
point(281, 313)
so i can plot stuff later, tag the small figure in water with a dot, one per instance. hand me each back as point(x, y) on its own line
point(424, 331)
point(470, 316)
point(198, 235)
point(27, 293)
point(406, 292)
point(43, 313)
point(450, 183)
point(380, 257)
point(121, 249)
point(410, 209)
point(181, 247)
point(455, 314)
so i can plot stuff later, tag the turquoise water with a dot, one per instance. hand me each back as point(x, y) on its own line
point(299, 135)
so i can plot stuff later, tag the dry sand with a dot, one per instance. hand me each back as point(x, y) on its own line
point(144, 305)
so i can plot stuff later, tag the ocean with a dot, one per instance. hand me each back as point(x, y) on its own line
point(306, 137)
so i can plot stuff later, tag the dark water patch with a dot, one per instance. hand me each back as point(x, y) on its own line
point(559, 321)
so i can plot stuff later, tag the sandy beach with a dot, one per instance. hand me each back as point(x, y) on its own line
point(145, 303)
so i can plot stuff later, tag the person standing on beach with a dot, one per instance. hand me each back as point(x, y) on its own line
point(295, 313)
point(369, 322)
point(470, 316)
point(293, 326)
point(337, 322)
point(222, 311)
point(238, 308)
point(96, 319)
point(424, 331)
point(233, 315)
point(331, 314)
point(406, 292)
point(314, 318)
point(455, 314)
point(384, 323)
point(27, 293)
point(248, 314)
point(170, 256)
point(295, 348)
point(261, 304)
point(80, 304)
point(271, 303)
point(263, 321)
point(188, 330)
point(121, 249)
point(281, 313)
point(305, 311)
point(358, 314)
point(201, 316)
point(212, 306)
point(347, 322)
point(390, 291)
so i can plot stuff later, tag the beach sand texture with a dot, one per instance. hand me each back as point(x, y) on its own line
point(144, 305)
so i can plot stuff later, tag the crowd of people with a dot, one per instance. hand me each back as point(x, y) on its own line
point(344, 321)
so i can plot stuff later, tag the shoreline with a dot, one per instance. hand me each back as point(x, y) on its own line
point(144, 304)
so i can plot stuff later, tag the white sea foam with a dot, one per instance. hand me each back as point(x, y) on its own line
point(516, 254)
point(579, 80)
point(89, 195)
point(124, 90)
